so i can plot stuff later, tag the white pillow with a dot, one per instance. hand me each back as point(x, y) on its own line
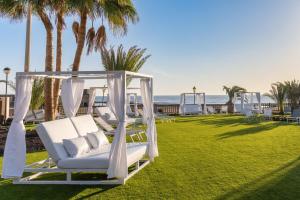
point(97, 139)
point(76, 146)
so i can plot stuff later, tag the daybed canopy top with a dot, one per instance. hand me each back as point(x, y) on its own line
point(72, 90)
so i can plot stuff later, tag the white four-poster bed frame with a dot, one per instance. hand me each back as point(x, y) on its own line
point(243, 101)
point(203, 110)
point(47, 166)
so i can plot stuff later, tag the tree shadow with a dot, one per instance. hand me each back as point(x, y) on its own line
point(282, 183)
point(227, 120)
point(8, 190)
point(251, 130)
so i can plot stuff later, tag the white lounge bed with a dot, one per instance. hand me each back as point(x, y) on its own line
point(192, 109)
point(52, 134)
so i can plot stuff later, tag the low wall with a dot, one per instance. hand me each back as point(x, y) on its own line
point(173, 109)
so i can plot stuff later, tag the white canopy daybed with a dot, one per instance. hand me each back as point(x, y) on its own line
point(192, 107)
point(113, 159)
point(246, 102)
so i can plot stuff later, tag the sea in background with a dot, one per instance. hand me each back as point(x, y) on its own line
point(175, 99)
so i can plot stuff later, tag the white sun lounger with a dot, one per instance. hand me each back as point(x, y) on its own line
point(52, 134)
point(106, 114)
point(111, 131)
point(35, 116)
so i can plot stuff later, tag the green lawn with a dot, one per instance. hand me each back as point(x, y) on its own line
point(212, 157)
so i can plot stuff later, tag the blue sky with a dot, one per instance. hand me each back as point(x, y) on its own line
point(210, 43)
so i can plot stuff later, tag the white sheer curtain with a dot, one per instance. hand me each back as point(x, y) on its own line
point(92, 97)
point(15, 147)
point(136, 112)
point(117, 102)
point(242, 101)
point(258, 96)
point(181, 106)
point(200, 99)
point(71, 95)
point(128, 96)
point(147, 99)
point(204, 104)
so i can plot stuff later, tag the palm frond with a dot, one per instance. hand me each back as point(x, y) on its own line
point(75, 29)
point(100, 40)
point(90, 38)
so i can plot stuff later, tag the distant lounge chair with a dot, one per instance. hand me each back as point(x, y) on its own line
point(160, 116)
point(224, 109)
point(211, 110)
point(268, 113)
point(295, 117)
point(109, 130)
point(106, 114)
point(35, 116)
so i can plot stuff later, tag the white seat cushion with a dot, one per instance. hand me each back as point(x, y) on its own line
point(52, 134)
point(84, 124)
point(95, 160)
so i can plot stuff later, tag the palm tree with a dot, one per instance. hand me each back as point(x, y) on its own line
point(18, 10)
point(61, 8)
point(40, 8)
point(132, 60)
point(117, 13)
point(230, 91)
point(293, 93)
point(37, 98)
point(278, 94)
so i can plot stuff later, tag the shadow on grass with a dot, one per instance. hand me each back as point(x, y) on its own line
point(282, 183)
point(8, 190)
point(251, 130)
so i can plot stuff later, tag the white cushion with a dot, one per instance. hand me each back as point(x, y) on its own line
point(76, 146)
point(192, 108)
point(94, 160)
point(84, 124)
point(52, 134)
point(97, 139)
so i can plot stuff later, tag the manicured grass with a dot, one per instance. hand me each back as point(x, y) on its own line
point(210, 157)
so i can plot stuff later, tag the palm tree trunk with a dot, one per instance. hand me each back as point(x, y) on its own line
point(48, 66)
point(28, 37)
point(81, 41)
point(59, 27)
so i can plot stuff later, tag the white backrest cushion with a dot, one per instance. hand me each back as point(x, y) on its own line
point(76, 146)
point(97, 139)
point(52, 134)
point(84, 124)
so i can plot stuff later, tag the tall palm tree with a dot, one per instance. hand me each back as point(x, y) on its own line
point(230, 91)
point(60, 8)
point(117, 13)
point(41, 7)
point(17, 10)
point(278, 94)
point(293, 93)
